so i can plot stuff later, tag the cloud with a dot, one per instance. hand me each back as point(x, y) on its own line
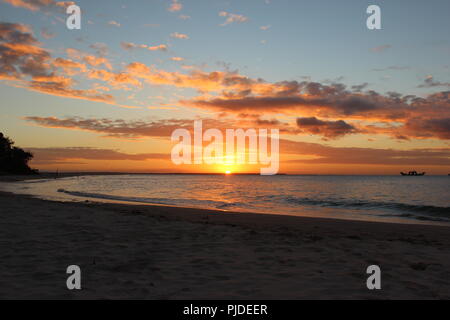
point(139, 129)
point(115, 128)
point(328, 129)
point(36, 5)
point(175, 6)
point(232, 18)
point(360, 87)
point(114, 23)
point(62, 87)
point(241, 94)
point(226, 91)
point(364, 156)
point(184, 17)
point(429, 82)
point(24, 63)
point(177, 59)
point(317, 153)
point(179, 35)
point(46, 34)
point(161, 47)
point(427, 128)
point(69, 66)
point(202, 81)
point(381, 48)
point(97, 61)
point(32, 67)
point(67, 155)
point(20, 54)
point(238, 94)
point(392, 68)
point(264, 28)
point(100, 48)
point(119, 80)
point(346, 106)
point(91, 60)
point(132, 46)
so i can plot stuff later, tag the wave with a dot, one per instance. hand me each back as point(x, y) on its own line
point(443, 212)
point(164, 201)
point(273, 203)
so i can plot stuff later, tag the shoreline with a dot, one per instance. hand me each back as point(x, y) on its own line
point(246, 219)
point(305, 214)
point(162, 252)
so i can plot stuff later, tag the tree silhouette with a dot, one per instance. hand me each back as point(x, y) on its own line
point(13, 159)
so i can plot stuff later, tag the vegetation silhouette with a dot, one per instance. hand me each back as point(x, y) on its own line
point(14, 160)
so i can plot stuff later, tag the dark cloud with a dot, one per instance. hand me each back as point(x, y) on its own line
point(429, 82)
point(428, 128)
point(360, 87)
point(335, 101)
point(328, 129)
point(346, 104)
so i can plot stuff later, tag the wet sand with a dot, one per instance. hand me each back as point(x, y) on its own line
point(158, 252)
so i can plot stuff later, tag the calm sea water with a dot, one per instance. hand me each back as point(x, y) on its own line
point(381, 198)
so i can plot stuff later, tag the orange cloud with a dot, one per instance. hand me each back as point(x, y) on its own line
point(69, 67)
point(161, 47)
point(114, 23)
point(178, 35)
point(117, 80)
point(21, 59)
point(328, 129)
point(35, 5)
point(175, 6)
point(96, 61)
point(131, 46)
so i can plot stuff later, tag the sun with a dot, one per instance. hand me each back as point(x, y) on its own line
point(228, 172)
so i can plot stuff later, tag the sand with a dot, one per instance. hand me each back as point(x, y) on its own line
point(156, 252)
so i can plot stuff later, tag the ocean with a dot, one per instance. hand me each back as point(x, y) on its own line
point(407, 199)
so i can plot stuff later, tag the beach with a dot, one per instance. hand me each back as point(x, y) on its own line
point(130, 251)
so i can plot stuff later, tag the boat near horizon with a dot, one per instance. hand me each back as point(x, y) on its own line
point(413, 173)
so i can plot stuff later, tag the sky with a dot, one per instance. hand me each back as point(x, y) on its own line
point(346, 99)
